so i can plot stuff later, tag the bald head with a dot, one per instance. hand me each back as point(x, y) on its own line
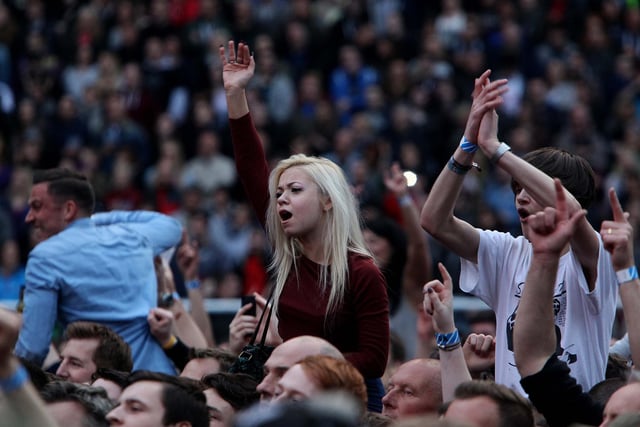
point(415, 388)
point(625, 400)
point(289, 353)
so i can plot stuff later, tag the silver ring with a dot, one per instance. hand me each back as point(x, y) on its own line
point(232, 61)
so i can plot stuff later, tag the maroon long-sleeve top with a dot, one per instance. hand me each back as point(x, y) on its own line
point(360, 327)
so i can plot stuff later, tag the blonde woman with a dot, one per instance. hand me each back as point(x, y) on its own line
point(326, 282)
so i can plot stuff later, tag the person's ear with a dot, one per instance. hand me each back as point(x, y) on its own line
point(327, 205)
point(70, 209)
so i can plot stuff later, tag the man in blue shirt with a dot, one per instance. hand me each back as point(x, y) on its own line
point(95, 268)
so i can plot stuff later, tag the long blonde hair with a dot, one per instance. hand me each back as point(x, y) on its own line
point(342, 232)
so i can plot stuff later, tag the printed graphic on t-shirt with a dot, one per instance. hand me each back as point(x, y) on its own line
point(560, 315)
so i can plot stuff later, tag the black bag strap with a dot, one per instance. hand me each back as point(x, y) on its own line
point(268, 308)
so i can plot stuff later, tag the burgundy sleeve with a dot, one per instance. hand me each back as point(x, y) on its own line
point(251, 164)
point(372, 315)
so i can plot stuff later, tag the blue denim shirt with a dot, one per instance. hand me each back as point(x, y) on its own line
point(98, 269)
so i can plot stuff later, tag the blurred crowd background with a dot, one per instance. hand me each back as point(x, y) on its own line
point(129, 93)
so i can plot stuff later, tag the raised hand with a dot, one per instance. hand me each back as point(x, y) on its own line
point(487, 95)
point(438, 302)
point(552, 228)
point(238, 67)
point(160, 323)
point(617, 235)
point(479, 352)
point(187, 258)
point(241, 328)
point(395, 181)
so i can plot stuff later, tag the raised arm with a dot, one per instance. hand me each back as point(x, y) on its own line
point(20, 405)
point(249, 155)
point(617, 235)
point(418, 267)
point(437, 216)
point(438, 302)
point(540, 187)
point(534, 334)
point(188, 259)
point(161, 231)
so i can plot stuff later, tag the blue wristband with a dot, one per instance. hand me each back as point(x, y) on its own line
point(15, 381)
point(468, 146)
point(447, 341)
point(193, 284)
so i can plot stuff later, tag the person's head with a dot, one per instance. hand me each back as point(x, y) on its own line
point(58, 197)
point(205, 361)
point(227, 394)
point(575, 173)
point(625, 400)
point(488, 404)
point(286, 355)
point(88, 346)
point(315, 374)
point(153, 399)
point(415, 388)
point(76, 405)
point(312, 207)
point(387, 242)
point(111, 380)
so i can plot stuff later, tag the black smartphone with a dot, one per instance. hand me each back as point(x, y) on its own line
point(249, 299)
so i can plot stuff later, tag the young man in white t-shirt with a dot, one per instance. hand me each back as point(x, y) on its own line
point(494, 264)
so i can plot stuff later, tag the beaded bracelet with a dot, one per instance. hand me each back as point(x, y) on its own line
point(458, 168)
point(467, 146)
point(15, 381)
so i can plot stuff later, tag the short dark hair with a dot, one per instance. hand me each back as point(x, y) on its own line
point(182, 398)
point(94, 400)
point(224, 357)
point(239, 390)
point(118, 377)
point(514, 409)
point(65, 184)
point(574, 171)
point(112, 351)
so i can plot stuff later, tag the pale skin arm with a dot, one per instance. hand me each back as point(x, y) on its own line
point(534, 336)
point(183, 324)
point(437, 216)
point(418, 266)
point(187, 258)
point(22, 407)
point(539, 186)
point(438, 302)
point(617, 236)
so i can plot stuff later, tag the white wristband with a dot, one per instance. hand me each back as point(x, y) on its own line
point(627, 275)
point(502, 148)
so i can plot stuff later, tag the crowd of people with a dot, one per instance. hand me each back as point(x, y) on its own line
point(157, 153)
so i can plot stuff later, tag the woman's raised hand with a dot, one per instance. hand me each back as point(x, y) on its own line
point(238, 66)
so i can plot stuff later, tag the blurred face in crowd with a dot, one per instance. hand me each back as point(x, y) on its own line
point(295, 385)
point(624, 400)
point(140, 405)
point(220, 411)
point(415, 388)
point(46, 215)
point(199, 367)
point(525, 205)
point(77, 363)
point(478, 411)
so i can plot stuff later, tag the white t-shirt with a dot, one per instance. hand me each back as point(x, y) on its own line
point(584, 318)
